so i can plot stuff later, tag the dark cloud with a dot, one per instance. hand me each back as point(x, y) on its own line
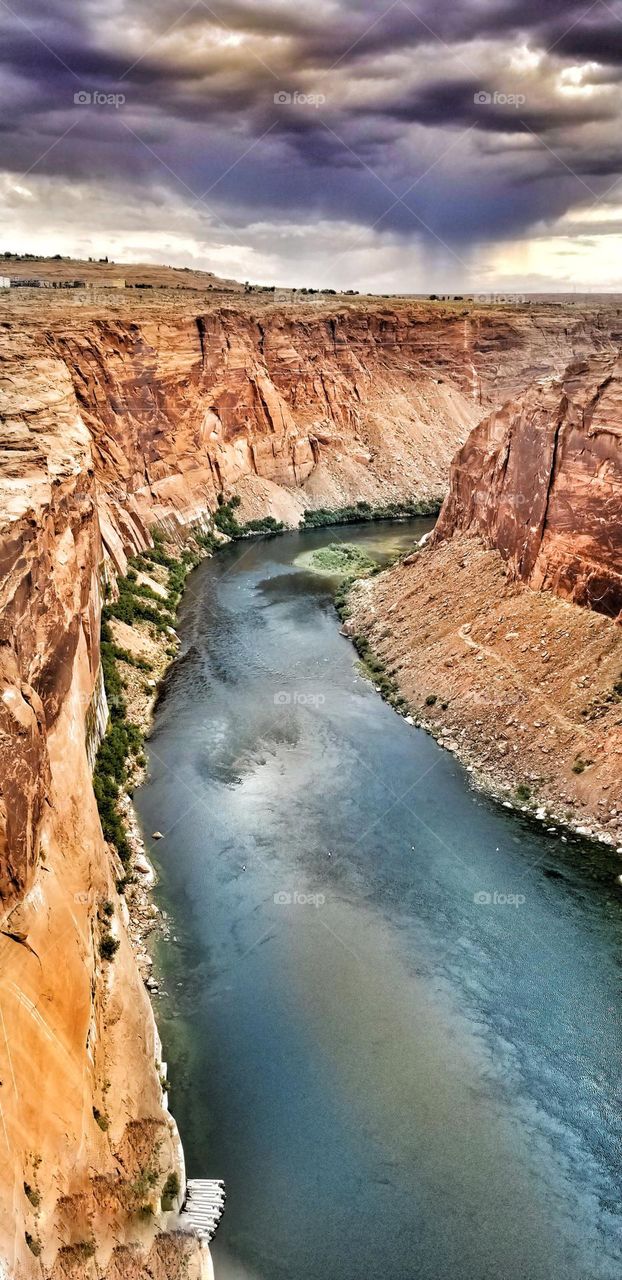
point(486, 108)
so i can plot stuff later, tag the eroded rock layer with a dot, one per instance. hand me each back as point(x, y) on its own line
point(541, 480)
point(292, 407)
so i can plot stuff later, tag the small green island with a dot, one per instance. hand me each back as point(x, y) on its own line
point(339, 559)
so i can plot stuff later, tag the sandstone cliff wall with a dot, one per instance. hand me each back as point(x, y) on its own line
point(81, 1114)
point(541, 480)
point(292, 408)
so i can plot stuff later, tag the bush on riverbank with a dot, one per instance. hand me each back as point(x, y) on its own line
point(363, 511)
point(227, 522)
point(376, 670)
point(123, 741)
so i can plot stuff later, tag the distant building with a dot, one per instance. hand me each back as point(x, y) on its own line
point(5, 282)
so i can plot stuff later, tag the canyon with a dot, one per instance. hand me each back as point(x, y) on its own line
point(120, 413)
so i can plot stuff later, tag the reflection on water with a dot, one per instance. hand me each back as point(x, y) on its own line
point(392, 1013)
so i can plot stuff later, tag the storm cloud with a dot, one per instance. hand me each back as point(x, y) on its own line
point(434, 135)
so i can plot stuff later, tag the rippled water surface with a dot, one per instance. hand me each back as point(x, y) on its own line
point(396, 1078)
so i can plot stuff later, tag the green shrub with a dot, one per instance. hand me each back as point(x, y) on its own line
point(267, 525)
point(206, 541)
point(375, 669)
point(224, 516)
point(170, 1191)
point(108, 947)
point(226, 521)
point(101, 1119)
point(34, 1244)
point(431, 699)
point(362, 511)
point(84, 1250)
point(523, 793)
point(124, 655)
point(33, 1195)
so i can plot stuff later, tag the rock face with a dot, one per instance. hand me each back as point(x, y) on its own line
point(484, 627)
point(292, 407)
point(114, 416)
point(81, 1106)
point(541, 480)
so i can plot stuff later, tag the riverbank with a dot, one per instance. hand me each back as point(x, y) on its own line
point(522, 687)
point(139, 643)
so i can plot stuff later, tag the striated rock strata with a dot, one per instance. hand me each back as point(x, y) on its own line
point(85, 1139)
point(541, 480)
point(293, 407)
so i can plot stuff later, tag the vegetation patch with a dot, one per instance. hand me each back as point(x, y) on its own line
point(83, 1251)
point(522, 793)
point(375, 669)
point(33, 1195)
point(601, 705)
point(340, 600)
point(34, 1244)
point(362, 511)
point(170, 1192)
point(341, 559)
point(580, 765)
point(227, 522)
point(108, 947)
point(122, 744)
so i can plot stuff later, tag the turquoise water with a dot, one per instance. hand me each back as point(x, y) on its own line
point(395, 1078)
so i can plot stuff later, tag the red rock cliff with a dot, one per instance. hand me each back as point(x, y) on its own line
point(292, 407)
point(541, 480)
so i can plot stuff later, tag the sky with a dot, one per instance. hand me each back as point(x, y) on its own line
point(406, 147)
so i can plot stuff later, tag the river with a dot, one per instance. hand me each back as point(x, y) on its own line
point(390, 1006)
